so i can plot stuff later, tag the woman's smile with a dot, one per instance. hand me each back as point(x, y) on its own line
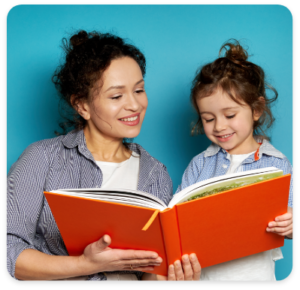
point(131, 120)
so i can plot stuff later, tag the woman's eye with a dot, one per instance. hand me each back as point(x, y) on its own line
point(139, 91)
point(230, 117)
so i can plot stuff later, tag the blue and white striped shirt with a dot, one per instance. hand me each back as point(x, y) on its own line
point(62, 162)
point(215, 161)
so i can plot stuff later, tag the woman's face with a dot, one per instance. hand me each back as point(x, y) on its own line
point(118, 106)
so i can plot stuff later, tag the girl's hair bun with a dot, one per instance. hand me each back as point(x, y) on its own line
point(79, 38)
point(234, 52)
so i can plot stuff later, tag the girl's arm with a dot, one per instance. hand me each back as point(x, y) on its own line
point(97, 257)
point(188, 269)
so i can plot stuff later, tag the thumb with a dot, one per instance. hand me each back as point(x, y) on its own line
point(161, 278)
point(103, 242)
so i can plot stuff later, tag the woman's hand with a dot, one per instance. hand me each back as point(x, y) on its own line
point(188, 269)
point(98, 257)
point(283, 224)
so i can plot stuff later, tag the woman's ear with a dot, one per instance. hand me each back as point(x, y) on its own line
point(81, 107)
point(259, 111)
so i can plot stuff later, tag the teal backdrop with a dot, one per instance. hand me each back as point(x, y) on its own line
point(176, 40)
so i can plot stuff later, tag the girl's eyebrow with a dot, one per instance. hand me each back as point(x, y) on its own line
point(224, 109)
point(230, 108)
point(122, 87)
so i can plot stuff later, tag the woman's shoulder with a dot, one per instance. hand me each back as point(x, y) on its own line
point(144, 155)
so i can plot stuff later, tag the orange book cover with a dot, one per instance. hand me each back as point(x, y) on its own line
point(218, 228)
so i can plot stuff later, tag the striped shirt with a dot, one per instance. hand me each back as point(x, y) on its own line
point(215, 161)
point(61, 162)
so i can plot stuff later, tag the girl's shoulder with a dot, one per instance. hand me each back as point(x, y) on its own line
point(270, 156)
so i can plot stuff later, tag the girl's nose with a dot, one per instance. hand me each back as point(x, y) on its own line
point(220, 125)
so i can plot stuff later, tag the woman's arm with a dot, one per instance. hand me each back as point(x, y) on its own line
point(97, 257)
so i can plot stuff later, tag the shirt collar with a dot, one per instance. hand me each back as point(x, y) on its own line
point(76, 138)
point(148, 164)
point(266, 148)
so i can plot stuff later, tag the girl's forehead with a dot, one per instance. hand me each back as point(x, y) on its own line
point(217, 101)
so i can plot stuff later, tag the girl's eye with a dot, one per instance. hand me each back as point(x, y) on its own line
point(116, 97)
point(210, 120)
point(230, 117)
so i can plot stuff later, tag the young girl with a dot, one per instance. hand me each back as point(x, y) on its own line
point(229, 95)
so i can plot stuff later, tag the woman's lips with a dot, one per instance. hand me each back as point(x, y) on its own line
point(131, 120)
point(224, 138)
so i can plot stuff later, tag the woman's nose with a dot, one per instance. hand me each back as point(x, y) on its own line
point(132, 103)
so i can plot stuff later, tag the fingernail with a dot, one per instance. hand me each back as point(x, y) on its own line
point(192, 257)
point(185, 258)
point(159, 260)
point(177, 263)
point(154, 256)
point(171, 267)
point(267, 229)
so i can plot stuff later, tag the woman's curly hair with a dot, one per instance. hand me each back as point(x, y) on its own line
point(87, 56)
point(243, 81)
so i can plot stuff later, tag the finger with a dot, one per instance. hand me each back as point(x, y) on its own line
point(283, 217)
point(187, 268)
point(284, 223)
point(141, 263)
point(178, 271)
point(102, 243)
point(136, 254)
point(284, 233)
point(196, 266)
point(161, 278)
point(280, 229)
point(171, 273)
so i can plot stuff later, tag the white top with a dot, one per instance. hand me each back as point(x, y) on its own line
point(257, 267)
point(236, 162)
point(121, 175)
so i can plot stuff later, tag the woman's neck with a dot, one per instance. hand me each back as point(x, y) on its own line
point(104, 148)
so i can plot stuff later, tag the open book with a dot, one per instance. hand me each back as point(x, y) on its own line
point(219, 219)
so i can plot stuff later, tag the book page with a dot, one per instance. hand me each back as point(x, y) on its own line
point(124, 196)
point(224, 182)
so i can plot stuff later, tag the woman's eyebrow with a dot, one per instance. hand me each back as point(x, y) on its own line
point(122, 87)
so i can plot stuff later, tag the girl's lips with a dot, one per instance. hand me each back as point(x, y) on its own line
point(225, 138)
point(131, 120)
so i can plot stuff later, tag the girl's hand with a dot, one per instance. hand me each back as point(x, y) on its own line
point(189, 269)
point(98, 257)
point(283, 224)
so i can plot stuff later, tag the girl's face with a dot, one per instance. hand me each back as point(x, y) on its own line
point(227, 123)
point(117, 108)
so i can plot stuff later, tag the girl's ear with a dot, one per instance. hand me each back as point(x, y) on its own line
point(81, 107)
point(259, 111)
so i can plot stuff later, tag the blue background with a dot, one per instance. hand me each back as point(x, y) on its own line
point(176, 40)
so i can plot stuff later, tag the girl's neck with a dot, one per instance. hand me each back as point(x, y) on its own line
point(104, 148)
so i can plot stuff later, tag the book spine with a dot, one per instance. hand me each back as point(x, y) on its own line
point(169, 225)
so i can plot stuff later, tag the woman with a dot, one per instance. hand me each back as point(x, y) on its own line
point(102, 80)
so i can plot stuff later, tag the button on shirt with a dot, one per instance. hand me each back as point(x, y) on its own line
point(58, 163)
